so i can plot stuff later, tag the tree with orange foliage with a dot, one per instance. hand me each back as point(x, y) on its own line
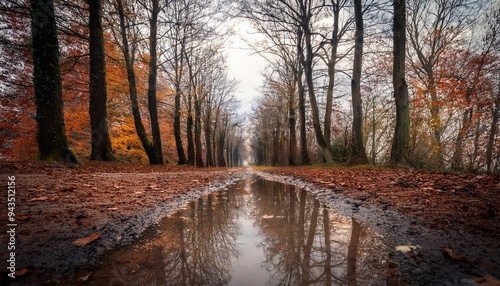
point(434, 27)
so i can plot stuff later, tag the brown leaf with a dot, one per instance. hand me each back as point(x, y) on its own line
point(487, 281)
point(22, 272)
point(86, 240)
point(39, 199)
point(452, 255)
point(23, 217)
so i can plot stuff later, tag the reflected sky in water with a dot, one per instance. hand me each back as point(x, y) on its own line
point(256, 232)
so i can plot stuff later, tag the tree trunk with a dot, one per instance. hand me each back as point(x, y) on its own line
point(399, 150)
point(457, 160)
point(358, 153)
point(129, 64)
point(491, 137)
point(435, 123)
point(292, 126)
point(101, 142)
point(197, 132)
point(302, 117)
point(157, 153)
point(208, 141)
point(177, 128)
point(179, 67)
point(51, 136)
point(331, 72)
point(190, 139)
point(307, 62)
point(221, 162)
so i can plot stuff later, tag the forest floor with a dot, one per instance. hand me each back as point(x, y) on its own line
point(68, 215)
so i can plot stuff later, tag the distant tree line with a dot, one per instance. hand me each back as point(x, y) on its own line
point(411, 82)
point(329, 84)
point(118, 80)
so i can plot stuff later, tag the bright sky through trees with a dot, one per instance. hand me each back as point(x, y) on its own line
point(245, 65)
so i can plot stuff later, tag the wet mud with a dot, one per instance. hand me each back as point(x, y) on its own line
point(60, 207)
point(423, 261)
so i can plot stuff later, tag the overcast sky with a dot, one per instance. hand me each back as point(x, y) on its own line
point(245, 66)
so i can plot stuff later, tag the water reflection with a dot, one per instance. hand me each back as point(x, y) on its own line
point(306, 244)
point(254, 230)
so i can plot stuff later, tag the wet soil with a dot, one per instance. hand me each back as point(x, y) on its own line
point(58, 204)
point(449, 221)
point(438, 214)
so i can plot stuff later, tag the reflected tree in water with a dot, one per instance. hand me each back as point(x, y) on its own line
point(310, 245)
point(302, 243)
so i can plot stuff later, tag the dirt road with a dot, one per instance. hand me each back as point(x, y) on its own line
point(67, 216)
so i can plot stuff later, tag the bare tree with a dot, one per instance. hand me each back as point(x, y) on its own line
point(399, 151)
point(153, 149)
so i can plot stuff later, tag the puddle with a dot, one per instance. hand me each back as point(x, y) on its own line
point(255, 232)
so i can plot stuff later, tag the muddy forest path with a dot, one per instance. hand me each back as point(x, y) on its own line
point(66, 216)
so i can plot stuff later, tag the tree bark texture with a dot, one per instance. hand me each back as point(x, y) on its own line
point(399, 150)
point(129, 64)
point(157, 153)
point(358, 153)
point(51, 135)
point(302, 105)
point(307, 62)
point(101, 142)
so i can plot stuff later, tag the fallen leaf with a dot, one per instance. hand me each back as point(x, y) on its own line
point(85, 277)
point(22, 272)
point(23, 217)
point(39, 199)
point(406, 248)
point(487, 281)
point(452, 255)
point(86, 240)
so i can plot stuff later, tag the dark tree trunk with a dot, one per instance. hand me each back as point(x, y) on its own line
point(358, 153)
point(129, 64)
point(399, 150)
point(457, 160)
point(153, 69)
point(197, 132)
point(221, 162)
point(302, 112)
point(179, 68)
point(51, 136)
point(101, 142)
point(493, 131)
point(177, 128)
point(307, 62)
point(291, 125)
point(190, 124)
point(208, 141)
point(302, 105)
point(331, 72)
